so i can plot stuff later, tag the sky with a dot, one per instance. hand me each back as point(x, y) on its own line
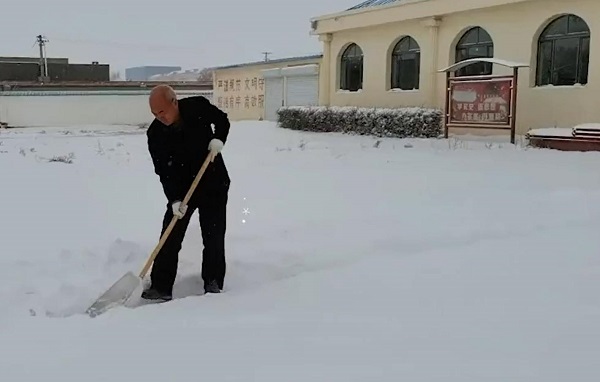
point(190, 34)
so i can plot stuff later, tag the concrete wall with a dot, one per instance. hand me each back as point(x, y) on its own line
point(514, 26)
point(77, 108)
point(239, 90)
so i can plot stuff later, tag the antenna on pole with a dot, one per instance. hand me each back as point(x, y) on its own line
point(41, 41)
point(267, 55)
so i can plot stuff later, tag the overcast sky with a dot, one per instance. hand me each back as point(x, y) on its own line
point(186, 33)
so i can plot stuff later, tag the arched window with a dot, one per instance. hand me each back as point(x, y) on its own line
point(351, 66)
point(406, 60)
point(475, 43)
point(564, 52)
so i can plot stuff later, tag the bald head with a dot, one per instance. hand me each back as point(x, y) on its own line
point(163, 104)
point(162, 93)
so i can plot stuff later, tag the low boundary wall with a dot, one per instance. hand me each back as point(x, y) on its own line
point(65, 108)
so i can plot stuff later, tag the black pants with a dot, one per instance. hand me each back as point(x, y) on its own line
point(211, 208)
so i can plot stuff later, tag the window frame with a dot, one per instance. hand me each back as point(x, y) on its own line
point(482, 40)
point(351, 56)
point(411, 57)
point(547, 38)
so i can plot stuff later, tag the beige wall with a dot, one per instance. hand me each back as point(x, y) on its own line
point(240, 90)
point(514, 29)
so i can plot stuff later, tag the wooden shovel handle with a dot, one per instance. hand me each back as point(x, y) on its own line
point(171, 225)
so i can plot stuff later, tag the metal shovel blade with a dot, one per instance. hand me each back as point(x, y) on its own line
point(118, 294)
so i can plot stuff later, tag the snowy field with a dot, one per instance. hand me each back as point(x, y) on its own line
point(349, 259)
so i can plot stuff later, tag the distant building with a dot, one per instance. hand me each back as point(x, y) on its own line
point(143, 73)
point(256, 90)
point(27, 69)
point(387, 53)
point(180, 75)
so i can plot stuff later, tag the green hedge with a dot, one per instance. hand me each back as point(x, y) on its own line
point(410, 122)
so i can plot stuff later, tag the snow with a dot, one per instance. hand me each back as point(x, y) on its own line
point(492, 60)
point(404, 260)
point(587, 127)
point(571, 132)
point(178, 75)
point(551, 132)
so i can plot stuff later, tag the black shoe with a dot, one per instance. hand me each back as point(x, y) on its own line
point(212, 287)
point(154, 294)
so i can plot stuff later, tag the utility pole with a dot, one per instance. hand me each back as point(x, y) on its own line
point(41, 41)
point(267, 55)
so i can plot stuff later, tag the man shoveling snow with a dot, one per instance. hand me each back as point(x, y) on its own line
point(178, 140)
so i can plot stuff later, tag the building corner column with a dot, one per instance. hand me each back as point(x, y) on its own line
point(325, 70)
point(433, 24)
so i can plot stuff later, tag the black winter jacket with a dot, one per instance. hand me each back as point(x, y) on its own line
point(178, 152)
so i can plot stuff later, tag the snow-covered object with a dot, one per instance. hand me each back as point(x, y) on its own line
point(409, 122)
point(179, 75)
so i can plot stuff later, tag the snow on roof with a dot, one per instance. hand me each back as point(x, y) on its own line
point(270, 61)
point(371, 3)
point(179, 75)
point(588, 126)
point(462, 64)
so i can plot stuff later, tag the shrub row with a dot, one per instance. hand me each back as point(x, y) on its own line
point(410, 122)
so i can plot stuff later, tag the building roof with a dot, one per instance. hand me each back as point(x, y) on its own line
point(36, 60)
point(155, 67)
point(273, 61)
point(178, 75)
point(371, 3)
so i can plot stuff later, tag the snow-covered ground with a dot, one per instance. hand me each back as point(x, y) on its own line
point(359, 260)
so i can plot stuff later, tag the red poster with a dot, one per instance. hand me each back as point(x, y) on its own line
point(485, 102)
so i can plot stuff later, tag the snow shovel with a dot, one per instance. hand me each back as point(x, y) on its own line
point(130, 284)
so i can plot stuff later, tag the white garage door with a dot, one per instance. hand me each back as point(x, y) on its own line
point(273, 97)
point(302, 91)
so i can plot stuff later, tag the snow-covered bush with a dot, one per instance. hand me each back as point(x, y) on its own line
point(409, 122)
point(63, 158)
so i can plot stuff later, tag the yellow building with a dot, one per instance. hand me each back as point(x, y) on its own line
point(388, 53)
point(255, 90)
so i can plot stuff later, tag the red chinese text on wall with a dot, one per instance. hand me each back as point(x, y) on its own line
point(483, 103)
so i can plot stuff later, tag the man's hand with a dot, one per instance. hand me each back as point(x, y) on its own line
point(215, 146)
point(179, 210)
